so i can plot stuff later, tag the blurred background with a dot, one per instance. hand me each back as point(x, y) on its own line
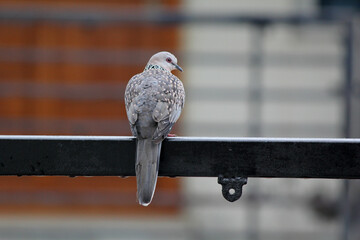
point(252, 68)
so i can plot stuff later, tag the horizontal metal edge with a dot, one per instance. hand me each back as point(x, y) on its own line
point(91, 15)
point(65, 137)
point(180, 139)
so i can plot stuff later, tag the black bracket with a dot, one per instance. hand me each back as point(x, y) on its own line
point(232, 187)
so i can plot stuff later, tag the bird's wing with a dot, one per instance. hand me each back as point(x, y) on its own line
point(131, 92)
point(168, 108)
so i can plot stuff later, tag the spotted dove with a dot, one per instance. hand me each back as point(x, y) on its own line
point(154, 100)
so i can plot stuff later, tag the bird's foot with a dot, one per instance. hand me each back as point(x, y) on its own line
point(171, 135)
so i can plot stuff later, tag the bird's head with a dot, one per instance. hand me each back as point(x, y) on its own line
point(165, 60)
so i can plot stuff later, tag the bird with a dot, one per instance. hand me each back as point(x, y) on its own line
point(154, 100)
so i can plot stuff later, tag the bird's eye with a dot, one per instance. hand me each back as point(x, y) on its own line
point(168, 60)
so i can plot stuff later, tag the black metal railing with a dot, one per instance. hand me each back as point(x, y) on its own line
point(182, 157)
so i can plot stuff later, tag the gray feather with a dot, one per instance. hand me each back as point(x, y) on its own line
point(146, 167)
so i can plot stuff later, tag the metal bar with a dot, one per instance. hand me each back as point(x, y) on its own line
point(348, 82)
point(137, 57)
point(348, 71)
point(30, 88)
point(255, 113)
point(105, 90)
point(182, 157)
point(206, 93)
point(136, 16)
point(255, 97)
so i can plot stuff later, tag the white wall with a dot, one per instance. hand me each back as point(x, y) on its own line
point(299, 100)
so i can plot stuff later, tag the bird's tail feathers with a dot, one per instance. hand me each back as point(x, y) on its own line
point(146, 168)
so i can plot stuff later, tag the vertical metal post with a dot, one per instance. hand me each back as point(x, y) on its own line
point(348, 75)
point(355, 82)
point(345, 209)
point(255, 102)
point(255, 81)
point(348, 70)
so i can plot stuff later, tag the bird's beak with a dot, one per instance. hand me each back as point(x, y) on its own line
point(177, 67)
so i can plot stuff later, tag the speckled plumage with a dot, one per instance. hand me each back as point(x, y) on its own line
point(154, 93)
point(154, 100)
